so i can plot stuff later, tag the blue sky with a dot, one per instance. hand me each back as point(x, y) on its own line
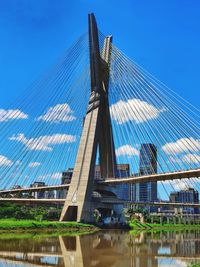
point(161, 36)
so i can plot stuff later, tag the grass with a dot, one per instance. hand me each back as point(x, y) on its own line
point(195, 265)
point(22, 225)
point(135, 225)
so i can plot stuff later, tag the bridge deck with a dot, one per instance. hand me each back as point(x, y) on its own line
point(154, 177)
point(33, 200)
point(103, 200)
point(34, 189)
point(132, 180)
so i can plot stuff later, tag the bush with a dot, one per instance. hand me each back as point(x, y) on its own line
point(38, 213)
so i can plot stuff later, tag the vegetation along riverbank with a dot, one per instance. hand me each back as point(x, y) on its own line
point(8, 225)
point(136, 225)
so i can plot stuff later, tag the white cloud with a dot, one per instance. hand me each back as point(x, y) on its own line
point(126, 150)
point(18, 162)
point(58, 113)
point(174, 159)
point(11, 114)
point(187, 158)
point(182, 145)
point(55, 176)
point(4, 161)
point(177, 184)
point(133, 110)
point(180, 185)
point(191, 158)
point(45, 142)
point(34, 164)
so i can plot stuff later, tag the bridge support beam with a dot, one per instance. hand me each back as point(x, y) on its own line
point(97, 130)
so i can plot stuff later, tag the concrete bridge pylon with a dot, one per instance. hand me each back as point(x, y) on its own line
point(97, 133)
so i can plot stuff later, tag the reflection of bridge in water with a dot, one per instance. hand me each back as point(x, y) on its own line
point(103, 249)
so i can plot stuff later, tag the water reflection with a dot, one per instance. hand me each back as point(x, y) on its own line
point(113, 248)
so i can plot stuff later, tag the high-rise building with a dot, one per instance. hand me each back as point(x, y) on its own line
point(123, 190)
point(67, 176)
point(38, 194)
point(146, 192)
point(186, 196)
point(65, 179)
point(50, 194)
point(148, 159)
point(97, 174)
point(122, 171)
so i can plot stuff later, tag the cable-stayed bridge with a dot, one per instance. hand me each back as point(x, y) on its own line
point(96, 107)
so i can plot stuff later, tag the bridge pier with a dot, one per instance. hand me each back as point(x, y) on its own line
point(168, 219)
point(97, 131)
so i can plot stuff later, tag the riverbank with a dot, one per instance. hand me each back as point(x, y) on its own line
point(194, 265)
point(162, 227)
point(13, 225)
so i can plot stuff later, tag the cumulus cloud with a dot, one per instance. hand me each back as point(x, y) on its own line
point(191, 158)
point(182, 145)
point(11, 114)
point(126, 150)
point(175, 159)
point(133, 110)
point(55, 176)
point(187, 158)
point(58, 113)
point(4, 161)
point(177, 184)
point(34, 164)
point(45, 142)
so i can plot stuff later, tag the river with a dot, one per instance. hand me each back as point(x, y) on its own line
point(103, 249)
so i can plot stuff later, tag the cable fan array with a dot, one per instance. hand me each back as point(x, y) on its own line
point(145, 111)
point(40, 134)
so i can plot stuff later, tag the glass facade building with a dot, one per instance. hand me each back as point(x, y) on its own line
point(122, 171)
point(186, 196)
point(146, 192)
